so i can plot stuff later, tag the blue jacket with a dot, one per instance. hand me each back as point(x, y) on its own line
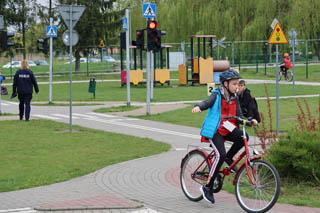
point(24, 81)
point(213, 117)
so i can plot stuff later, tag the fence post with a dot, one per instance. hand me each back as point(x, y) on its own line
point(232, 54)
point(265, 62)
point(256, 60)
point(306, 58)
point(239, 58)
point(88, 63)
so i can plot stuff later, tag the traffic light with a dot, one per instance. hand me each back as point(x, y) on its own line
point(154, 36)
point(140, 39)
point(43, 45)
point(5, 44)
point(122, 37)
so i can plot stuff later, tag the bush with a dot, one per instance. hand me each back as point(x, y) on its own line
point(297, 156)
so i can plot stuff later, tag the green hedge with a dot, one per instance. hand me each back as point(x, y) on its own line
point(297, 156)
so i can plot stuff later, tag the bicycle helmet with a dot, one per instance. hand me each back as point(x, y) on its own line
point(228, 75)
point(286, 54)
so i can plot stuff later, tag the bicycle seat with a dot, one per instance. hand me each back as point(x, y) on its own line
point(205, 140)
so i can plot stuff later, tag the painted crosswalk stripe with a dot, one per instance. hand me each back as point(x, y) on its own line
point(64, 116)
point(145, 211)
point(102, 115)
point(46, 117)
point(4, 104)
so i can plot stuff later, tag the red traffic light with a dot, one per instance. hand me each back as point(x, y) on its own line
point(138, 34)
point(152, 25)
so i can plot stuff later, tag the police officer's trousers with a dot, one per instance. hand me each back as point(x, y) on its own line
point(24, 105)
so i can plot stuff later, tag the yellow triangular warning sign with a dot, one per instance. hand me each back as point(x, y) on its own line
point(101, 45)
point(278, 36)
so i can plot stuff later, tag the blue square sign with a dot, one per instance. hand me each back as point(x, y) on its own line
point(149, 10)
point(124, 24)
point(52, 31)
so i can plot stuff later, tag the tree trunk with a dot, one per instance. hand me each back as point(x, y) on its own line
point(77, 54)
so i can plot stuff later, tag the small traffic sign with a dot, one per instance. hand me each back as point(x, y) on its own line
point(52, 31)
point(149, 10)
point(76, 11)
point(66, 37)
point(124, 24)
point(274, 22)
point(101, 45)
point(278, 36)
point(293, 33)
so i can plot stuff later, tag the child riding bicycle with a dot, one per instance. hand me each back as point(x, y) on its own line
point(221, 103)
point(286, 65)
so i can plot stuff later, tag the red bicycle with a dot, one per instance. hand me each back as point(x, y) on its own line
point(257, 182)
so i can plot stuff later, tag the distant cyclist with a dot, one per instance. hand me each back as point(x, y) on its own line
point(221, 103)
point(286, 64)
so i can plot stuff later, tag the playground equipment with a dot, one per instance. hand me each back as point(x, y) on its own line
point(203, 69)
point(161, 75)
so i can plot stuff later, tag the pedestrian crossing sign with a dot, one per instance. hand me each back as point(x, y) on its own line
point(149, 10)
point(278, 36)
point(52, 31)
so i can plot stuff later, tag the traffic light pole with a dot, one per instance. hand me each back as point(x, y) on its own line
point(152, 67)
point(148, 81)
point(50, 70)
point(128, 57)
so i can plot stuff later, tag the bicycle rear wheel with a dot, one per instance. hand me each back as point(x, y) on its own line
point(262, 196)
point(289, 76)
point(192, 178)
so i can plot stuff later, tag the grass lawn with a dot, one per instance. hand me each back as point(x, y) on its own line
point(117, 109)
point(300, 73)
point(288, 110)
point(112, 91)
point(51, 154)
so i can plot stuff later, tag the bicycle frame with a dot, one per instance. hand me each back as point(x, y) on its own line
point(227, 171)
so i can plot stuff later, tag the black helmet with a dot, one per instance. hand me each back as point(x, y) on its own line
point(228, 75)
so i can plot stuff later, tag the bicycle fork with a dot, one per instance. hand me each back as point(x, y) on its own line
point(248, 162)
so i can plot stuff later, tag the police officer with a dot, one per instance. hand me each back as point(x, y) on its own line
point(24, 81)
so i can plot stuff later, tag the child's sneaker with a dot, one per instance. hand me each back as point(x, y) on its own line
point(207, 194)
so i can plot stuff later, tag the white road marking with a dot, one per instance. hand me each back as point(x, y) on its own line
point(103, 115)
point(152, 129)
point(21, 210)
point(145, 211)
point(46, 117)
point(64, 116)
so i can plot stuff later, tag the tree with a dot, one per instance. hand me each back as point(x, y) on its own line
point(21, 15)
point(101, 20)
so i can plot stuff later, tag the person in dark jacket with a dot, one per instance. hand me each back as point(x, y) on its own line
point(244, 95)
point(23, 83)
point(247, 102)
point(223, 102)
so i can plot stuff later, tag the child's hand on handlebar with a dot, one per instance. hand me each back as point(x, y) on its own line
point(196, 109)
point(254, 122)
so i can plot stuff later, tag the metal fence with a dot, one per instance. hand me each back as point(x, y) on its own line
point(240, 54)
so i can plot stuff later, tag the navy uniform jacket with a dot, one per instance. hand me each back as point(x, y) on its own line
point(24, 81)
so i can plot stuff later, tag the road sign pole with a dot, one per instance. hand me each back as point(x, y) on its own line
point(277, 83)
point(293, 65)
point(50, 70)
point(128, 57)
point(70, 61)
point(0, 99)
point(148, 81)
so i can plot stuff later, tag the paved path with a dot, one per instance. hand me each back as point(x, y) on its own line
point(149, 184)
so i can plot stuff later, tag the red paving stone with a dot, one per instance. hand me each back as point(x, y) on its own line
point(105, 201)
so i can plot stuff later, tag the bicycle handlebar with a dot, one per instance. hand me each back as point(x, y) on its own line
point(242, 120)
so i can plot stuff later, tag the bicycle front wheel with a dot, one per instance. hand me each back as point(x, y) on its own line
point(280, 76)
point(264, 194)
point(192, 175)
point(289, 76)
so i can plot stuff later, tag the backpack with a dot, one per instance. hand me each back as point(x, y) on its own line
point(253, 107)
point(4, 91)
